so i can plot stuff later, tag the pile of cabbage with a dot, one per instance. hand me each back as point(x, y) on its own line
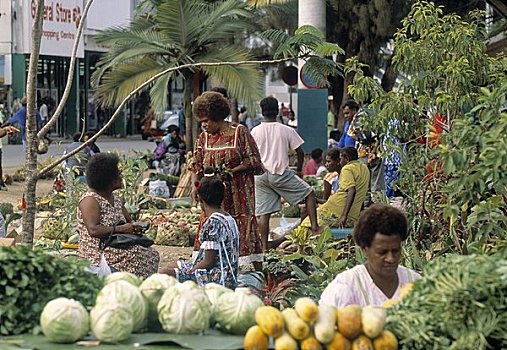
point(129, 305)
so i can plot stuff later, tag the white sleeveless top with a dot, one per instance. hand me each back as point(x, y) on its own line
point(355, 286)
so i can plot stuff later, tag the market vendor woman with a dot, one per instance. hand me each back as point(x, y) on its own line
point(379, 233)
point(100, 210)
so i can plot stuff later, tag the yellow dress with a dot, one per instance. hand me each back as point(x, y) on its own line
point(353, 174)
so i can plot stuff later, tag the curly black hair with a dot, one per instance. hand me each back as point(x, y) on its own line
point(211, 188)
point(379, 218)
point(316, 153)
point(102, 170)
point(350, 153)
point(212, 105)
point(334, 154)
point(352, 105)
point(269, 107)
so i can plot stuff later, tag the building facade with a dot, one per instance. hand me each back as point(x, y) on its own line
point(61, 19)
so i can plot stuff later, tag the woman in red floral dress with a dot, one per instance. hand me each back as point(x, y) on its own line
point(231, 151)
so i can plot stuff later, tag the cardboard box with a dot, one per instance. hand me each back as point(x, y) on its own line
point(7, 242)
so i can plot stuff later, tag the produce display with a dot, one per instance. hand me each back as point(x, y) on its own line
point(459, 303)
point(111, 322)
point(175, 228)
point(184, 309)
point(122, 308)
point(124, 276)
point(64, 320)
point(31, 278)
point(152, 290)
point(123, 292)
point(308, 326)
point(235, 311)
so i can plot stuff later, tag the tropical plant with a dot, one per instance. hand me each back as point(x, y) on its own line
point(173, 33)
point(455, 184)
point(132, 169)
point(317, 263)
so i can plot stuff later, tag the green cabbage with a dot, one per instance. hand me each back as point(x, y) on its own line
point(64, 320)
point(184, 309)
point(124, 276)
point(235, 311)
point(213, 291)
point(111, 322)
point(152, 289)
point(125, 293)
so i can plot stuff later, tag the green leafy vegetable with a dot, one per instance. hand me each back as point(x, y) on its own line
point(31, 278)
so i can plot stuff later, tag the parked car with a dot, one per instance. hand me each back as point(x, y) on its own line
point(163, 122)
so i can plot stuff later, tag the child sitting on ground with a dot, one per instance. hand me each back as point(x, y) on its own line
point(314, 163)
point(218, 256)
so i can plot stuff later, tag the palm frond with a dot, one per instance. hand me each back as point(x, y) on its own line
point(115, 84)
point(224, 19)
point(243, 82)
point(180, 21)
point(262, 3)
point(309, 30)
point(158, 92)
point(328, 49)
point(282, 39)
point(318, 70)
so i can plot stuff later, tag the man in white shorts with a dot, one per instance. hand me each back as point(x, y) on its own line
point(274, 141)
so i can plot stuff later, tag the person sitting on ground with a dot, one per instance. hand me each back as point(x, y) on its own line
point(101, 212)
point(379, 233)
point(274, 141)
point(218, 256)
point(93, 146)
point(314, 163)
point(331, 180)
point(76, 164)
point(343, 207)
point(167, 155)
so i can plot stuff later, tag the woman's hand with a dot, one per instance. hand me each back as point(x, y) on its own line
point(126, 228)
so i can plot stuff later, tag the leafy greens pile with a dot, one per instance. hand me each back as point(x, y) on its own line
point(459, 303)
point(31, 278)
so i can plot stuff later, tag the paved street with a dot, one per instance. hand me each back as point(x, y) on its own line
point(14, 157)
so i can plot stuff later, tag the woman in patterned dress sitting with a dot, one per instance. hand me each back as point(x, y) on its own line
point(99, 212)
point(217, 259)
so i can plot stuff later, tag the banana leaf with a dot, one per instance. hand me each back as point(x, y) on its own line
point(149, 341)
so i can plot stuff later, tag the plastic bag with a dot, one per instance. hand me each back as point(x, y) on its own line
point(159, 188)
point(286, 226)
point(103, 269)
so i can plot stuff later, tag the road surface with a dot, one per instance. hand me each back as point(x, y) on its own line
point(13, 156)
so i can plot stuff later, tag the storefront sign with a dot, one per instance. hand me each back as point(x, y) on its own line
point(59, 29)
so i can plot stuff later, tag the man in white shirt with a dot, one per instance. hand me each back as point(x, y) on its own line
point(274, 141)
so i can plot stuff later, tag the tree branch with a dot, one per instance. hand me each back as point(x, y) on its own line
point(44, 171)
point(70, 76)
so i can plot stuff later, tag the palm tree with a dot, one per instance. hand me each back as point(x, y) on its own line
point(169, 33)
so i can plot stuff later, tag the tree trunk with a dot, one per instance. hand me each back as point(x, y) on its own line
point(187, 109)
point(31, 129)
point(31, 122)
point(390, 75)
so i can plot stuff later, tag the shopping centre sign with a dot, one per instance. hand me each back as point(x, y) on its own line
point(59, 28)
